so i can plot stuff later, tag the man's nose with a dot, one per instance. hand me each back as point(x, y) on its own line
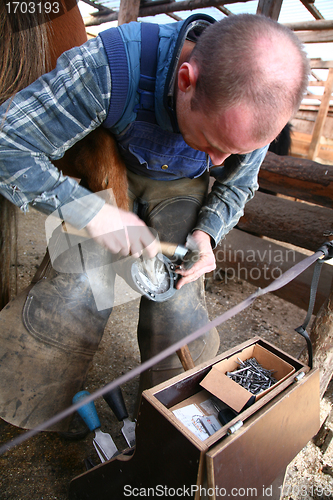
point(218, 158)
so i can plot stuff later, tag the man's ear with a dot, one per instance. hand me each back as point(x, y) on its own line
point(187, 76)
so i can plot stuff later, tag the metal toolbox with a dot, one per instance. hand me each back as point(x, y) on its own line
point(170, 460)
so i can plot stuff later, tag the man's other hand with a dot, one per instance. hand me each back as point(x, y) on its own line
point(205, 264)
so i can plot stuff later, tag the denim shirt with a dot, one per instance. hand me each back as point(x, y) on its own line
point(143, 58)
point(159, 154)
point(44, 120)
point(235, 184)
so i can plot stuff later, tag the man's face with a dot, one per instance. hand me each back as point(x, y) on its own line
point(220, 135)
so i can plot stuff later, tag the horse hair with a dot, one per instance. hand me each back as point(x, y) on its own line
point(19, 65)
point(95, 160)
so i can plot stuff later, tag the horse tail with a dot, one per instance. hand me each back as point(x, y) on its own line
point(20, 44)
point(17, 44)
point(18, 68)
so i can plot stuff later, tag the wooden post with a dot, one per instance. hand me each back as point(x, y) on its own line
point(269, 8)
point(322, 113)
point(8, 250)
point(322, 341)
point(185, 358)
point(128, 11)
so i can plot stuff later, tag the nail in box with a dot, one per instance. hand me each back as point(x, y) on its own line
point(234, 395)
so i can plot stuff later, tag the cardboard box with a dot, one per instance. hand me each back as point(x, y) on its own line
point(234, 395)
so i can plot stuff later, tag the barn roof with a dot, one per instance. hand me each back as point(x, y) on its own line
point(291, 11)
point(102, 14)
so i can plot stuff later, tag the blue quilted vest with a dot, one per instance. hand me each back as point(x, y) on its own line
point(143, 59)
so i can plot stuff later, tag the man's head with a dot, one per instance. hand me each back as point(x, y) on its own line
point(248, 65)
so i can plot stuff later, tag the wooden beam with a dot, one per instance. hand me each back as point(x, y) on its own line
point(174, 16)
point(321, 117)
point(315, 36)
point(224, 10)
point(318, 78)
point(300, 148)
point(320, 64)
point(297, 177)
point(269, 8)
point(310, 25)
point(317, 83)
point(312, 9)
point(313, 97)
point(286, 220)
point(128, 11)
point(313, 107)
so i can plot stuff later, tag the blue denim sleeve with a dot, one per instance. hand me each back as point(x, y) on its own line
point(235, 184)
point(44, 120)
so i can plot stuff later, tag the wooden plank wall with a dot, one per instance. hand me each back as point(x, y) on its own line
point(313, 124)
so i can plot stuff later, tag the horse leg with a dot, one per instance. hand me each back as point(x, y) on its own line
point(97, 162)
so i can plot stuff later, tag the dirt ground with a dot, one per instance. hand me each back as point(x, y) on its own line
point(42, 467)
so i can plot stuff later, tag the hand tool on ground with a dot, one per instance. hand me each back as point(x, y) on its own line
point(116, 402)
point(103, 442)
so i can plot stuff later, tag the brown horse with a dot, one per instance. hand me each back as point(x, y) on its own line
point(95, 160)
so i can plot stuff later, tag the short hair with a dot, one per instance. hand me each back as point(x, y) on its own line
point(232, 74)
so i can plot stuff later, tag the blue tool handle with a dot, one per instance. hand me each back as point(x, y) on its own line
point(88, 411)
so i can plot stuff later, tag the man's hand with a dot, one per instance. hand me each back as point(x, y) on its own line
point(205, 264)
point(122, 232)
